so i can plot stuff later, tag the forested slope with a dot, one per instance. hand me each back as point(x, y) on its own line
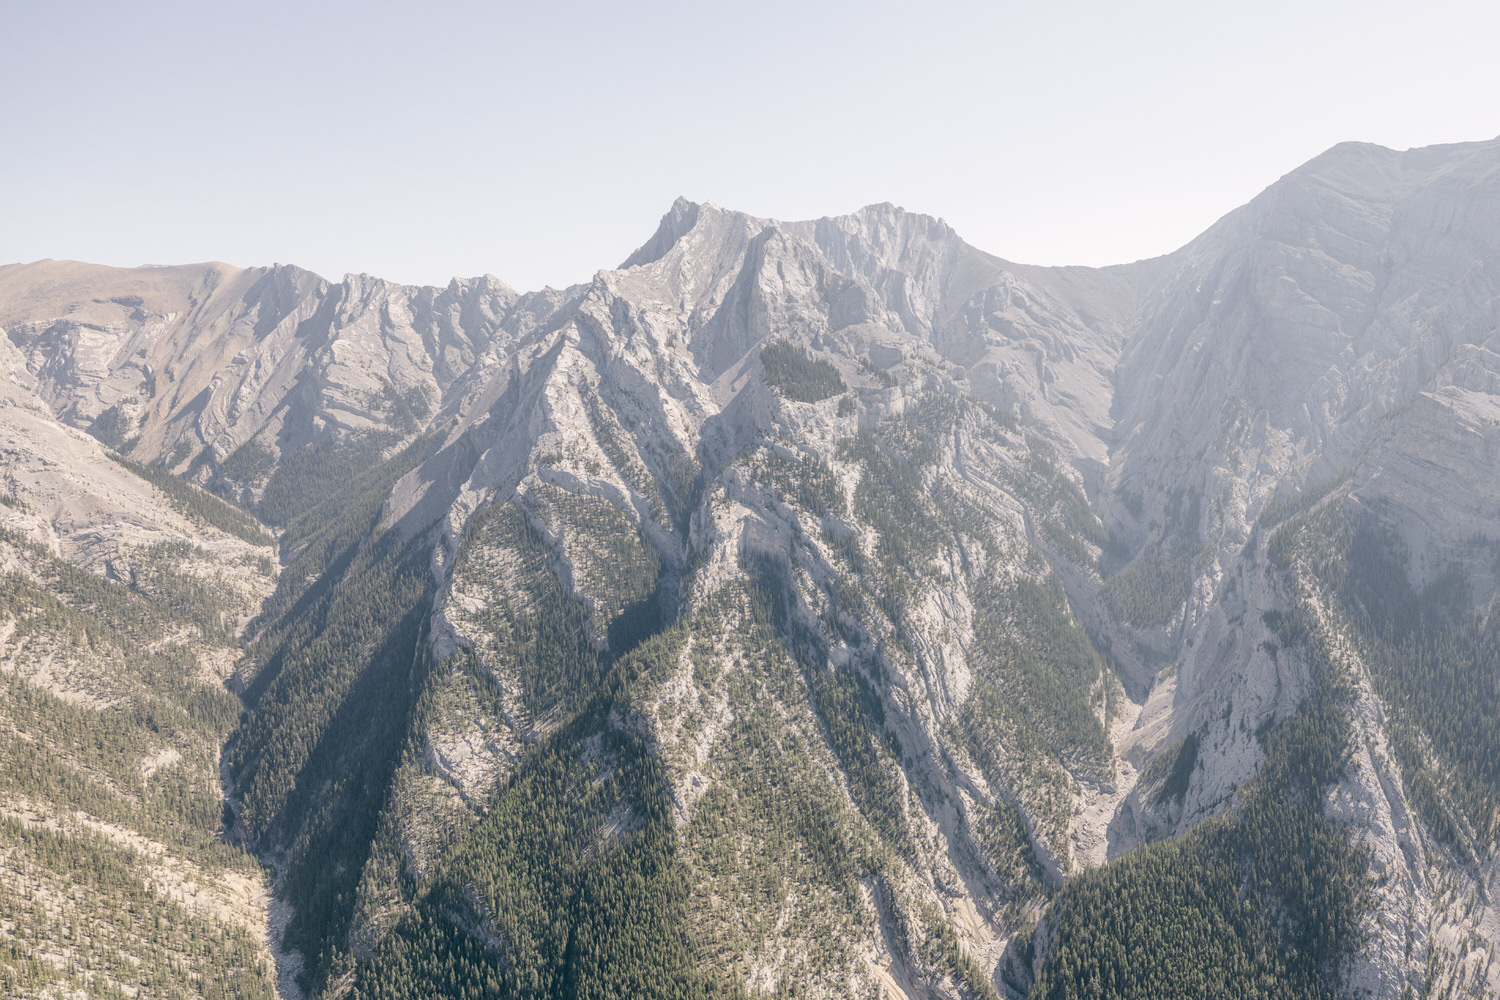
point(817, 609)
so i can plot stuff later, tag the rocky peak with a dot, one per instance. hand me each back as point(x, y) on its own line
point(931, 467)
point(680, 218)
point(1323, 303)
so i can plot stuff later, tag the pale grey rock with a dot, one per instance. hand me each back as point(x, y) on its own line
point(1340, 327)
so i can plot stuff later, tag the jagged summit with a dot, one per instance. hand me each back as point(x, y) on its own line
point(1353, 161)
point(799, 604)
point(881, 229)
point(680, 218)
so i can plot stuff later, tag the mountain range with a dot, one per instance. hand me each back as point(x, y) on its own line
point(808, 609)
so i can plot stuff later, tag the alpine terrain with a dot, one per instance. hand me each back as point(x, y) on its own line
point(814, 609)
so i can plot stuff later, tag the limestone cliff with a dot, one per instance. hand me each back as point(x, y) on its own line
point(849, 589)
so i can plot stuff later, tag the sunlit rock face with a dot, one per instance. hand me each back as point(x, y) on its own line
point(835, 554)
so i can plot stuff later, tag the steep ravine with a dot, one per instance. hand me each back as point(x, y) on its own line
point(841, 595)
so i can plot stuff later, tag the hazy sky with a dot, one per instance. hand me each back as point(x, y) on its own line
point(541, 142)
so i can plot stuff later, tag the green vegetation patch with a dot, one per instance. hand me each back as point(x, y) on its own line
point(773, 852)
point(797, 375)
point(247, 466)
point(308, 476)
point(806, 481)
point(569, 886)
point(93, 918)
point(1000, 832)
point(331, 678)
point(81, 912)
point(1284, 508)
point(537, 635)
point(1029, 645)
point(112, 428)
point(1151, 591)
point(1030, 721)
point(911, 531)
point(200, 505)
point(1434, 663)
point(564, 882)
point(614, 564)
point(1264, 902)
point(1062, 509)
point(1171, 770)
point(619, 447)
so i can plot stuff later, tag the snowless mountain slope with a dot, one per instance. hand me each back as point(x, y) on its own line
point(122, 591)
point(1307, 417)
point(1325, 304)
point(192, 366)
point(831, 606)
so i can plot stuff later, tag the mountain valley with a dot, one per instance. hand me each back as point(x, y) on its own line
point(816, 609)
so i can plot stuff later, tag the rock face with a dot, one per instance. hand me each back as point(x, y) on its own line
point(122, 593)
point(189, 365)
point(841, 588)
point(1336, 334)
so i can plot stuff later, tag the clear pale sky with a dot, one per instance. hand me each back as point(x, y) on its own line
point(542, 142)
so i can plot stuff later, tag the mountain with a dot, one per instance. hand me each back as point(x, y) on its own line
point(822, 608)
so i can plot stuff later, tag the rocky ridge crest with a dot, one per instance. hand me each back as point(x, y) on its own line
point(908, 462)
